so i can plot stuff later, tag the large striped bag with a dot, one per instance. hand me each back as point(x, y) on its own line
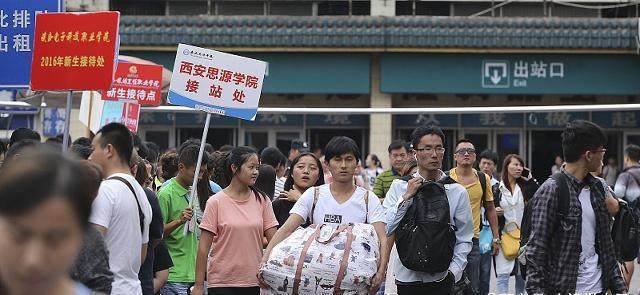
point(323, 260)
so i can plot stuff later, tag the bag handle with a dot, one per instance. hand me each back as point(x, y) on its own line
point(316, 191)
point(140, 214)
point(509, 233)
point(366, 205)
point(334, 234)
point(303, 254)
point(344, 262)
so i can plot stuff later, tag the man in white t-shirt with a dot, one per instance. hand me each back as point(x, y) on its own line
point(122, 218)
point(340, 202)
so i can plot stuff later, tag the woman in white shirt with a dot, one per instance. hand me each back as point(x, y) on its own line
point(373, 169)
point(514, 190)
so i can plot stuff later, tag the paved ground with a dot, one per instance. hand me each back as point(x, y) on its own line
point(635, 282)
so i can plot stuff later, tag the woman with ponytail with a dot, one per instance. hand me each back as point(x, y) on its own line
point(234, 224)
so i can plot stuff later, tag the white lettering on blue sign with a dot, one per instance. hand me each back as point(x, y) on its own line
point(493, 119)
point(556, 70)
point(3, 19)
point(21, 18)
point(21, 43)
point(623, 119)
point(559, 119)
point(427, 119)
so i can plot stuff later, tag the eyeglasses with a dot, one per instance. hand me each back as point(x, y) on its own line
point(439, 150)
point(463, 151)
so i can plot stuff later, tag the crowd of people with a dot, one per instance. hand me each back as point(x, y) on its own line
point(116, 215)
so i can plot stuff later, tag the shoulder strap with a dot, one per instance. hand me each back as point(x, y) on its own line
point(562, 192)
point(315, 201)
point(483, 182)
point(366, 206)
point(140, 214)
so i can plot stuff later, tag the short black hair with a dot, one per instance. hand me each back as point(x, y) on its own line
point(189, 156)
point(188, 142)
point(266, 181)
point(463, 140)
point(580, 136)
point(143, 151)
point(153, 146)
point(340, 145)
point(489, 155)
point(273, 157)
point(120, 138)
point(633, 152)
point(22, 134)
point(82, 141)
point(152, 154)
point(136, 140)
point(80, 151)
point(397, 144)
point(3, 147)
point(422, 131)
point(20, 147)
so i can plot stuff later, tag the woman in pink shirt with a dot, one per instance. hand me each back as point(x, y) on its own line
point(235, 221)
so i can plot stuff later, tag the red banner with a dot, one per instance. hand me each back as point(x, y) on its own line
point(131, 116)
point(142, 83)
point(74, 51)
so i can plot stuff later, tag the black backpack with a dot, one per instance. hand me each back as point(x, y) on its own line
point(425, 237)
point(626, 232)
point(562, 193)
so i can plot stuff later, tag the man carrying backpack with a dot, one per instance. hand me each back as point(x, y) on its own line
point(478, 186)
point(627, 187)
point(429, 217)
point(570, 249)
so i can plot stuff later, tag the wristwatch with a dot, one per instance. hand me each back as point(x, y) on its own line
point(496, 240)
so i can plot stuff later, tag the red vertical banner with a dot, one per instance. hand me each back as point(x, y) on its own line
point(74, 51)
point(131, 116)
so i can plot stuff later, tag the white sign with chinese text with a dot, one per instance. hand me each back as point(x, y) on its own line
point(216, 82)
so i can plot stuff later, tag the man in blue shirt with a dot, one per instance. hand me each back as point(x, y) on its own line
point(428, 143)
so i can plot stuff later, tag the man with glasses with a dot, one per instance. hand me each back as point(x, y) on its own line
point(428, 151)
point(478, 187)
point(570, 250)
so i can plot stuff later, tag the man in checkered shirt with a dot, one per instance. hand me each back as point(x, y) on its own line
point(574, 253)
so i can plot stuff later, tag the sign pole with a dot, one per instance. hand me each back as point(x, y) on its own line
point(67, 122)
point(194, 190)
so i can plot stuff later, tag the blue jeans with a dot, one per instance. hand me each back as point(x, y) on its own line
point(473, 267)
point(502, 284)
point(175, 288)
point(485, 273)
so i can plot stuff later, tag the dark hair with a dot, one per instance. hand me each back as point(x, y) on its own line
point(237, 157)
point(463, 140)
point(273, 157)
point(189, 142)
point(152, 154)
point(489, 155)
point(169, 162)
point(340, 145)
point(376, 160)
point(82, 141)
point(20, 147)
point(580, 136)
point(57, 177)
point(266, 181)
point(120, 138)
point(80, 151)
point(505, 169)
point(3, 147)
point(95, 174)
point(203, 189)
point(288, 184)
point(189, 156)
point(22, 134)
point(143, 151)
point(397, 144)
point(422, 131)
point(218, 162)
point(209, 148)
point(633, 152)
point(226, 148)
point(153, 146)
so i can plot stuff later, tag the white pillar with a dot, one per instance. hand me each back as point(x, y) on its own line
point(380, 125)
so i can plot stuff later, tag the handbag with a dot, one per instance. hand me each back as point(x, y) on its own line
point(510, 242)
point(485, 240)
